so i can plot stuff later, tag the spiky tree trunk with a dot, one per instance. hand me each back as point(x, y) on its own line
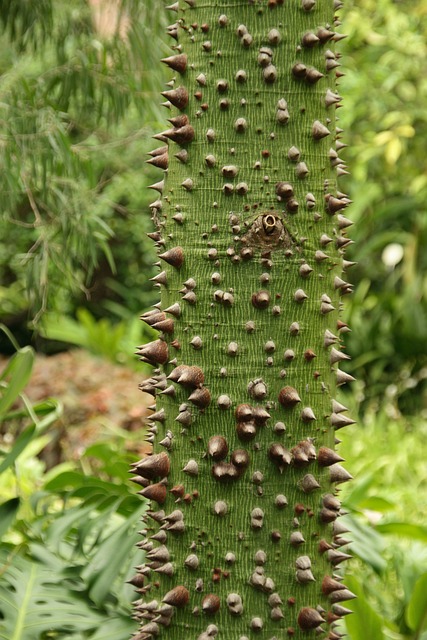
point(242, 540)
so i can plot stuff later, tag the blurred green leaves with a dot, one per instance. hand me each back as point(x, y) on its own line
point(404, 530)
point(14, 378)
point(366, 622)
point(385, 123)
point(386, 505)
point(77, 105)
point(68, 536)
point(416, 611)
point(114, 341)
point(33, 602)
point(8, 512)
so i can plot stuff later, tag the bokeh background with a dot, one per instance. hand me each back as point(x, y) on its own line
point(79, 101)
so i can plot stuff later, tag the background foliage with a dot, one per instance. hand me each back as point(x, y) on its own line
point(78, 104)
point(386, 122)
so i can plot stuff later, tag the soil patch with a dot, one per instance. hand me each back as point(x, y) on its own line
point(97, 397)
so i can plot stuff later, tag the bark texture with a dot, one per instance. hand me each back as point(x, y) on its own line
point(242, 540)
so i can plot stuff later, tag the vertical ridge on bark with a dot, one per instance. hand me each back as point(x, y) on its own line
point(251, 234)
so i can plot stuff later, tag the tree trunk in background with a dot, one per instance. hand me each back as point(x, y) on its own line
point(242, 541)
point(109, 18)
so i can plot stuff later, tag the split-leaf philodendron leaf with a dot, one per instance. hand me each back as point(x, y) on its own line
point(35, 600)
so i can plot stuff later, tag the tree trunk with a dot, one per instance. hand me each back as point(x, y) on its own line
point(243, 542)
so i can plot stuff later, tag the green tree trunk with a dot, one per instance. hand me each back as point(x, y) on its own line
point(242, 541)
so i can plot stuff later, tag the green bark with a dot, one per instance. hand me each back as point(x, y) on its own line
point(242, 539)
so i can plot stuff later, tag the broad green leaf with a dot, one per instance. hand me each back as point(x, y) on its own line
point(66, 481)
point(366, 543)
point(111, 558)
point(404, 529)
point(77, 485)
point(416, 611)
point(100, 450)
point(8, 511)
point(376, 503)
point(116, 629)
point(18, 371)
point(64, 329)
point(359, 491)
point(21, 443)
point(73, 480)
point(366, 623)
point(114, 463)
point(44, 556)
point(71, 518)
point(34, 601)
